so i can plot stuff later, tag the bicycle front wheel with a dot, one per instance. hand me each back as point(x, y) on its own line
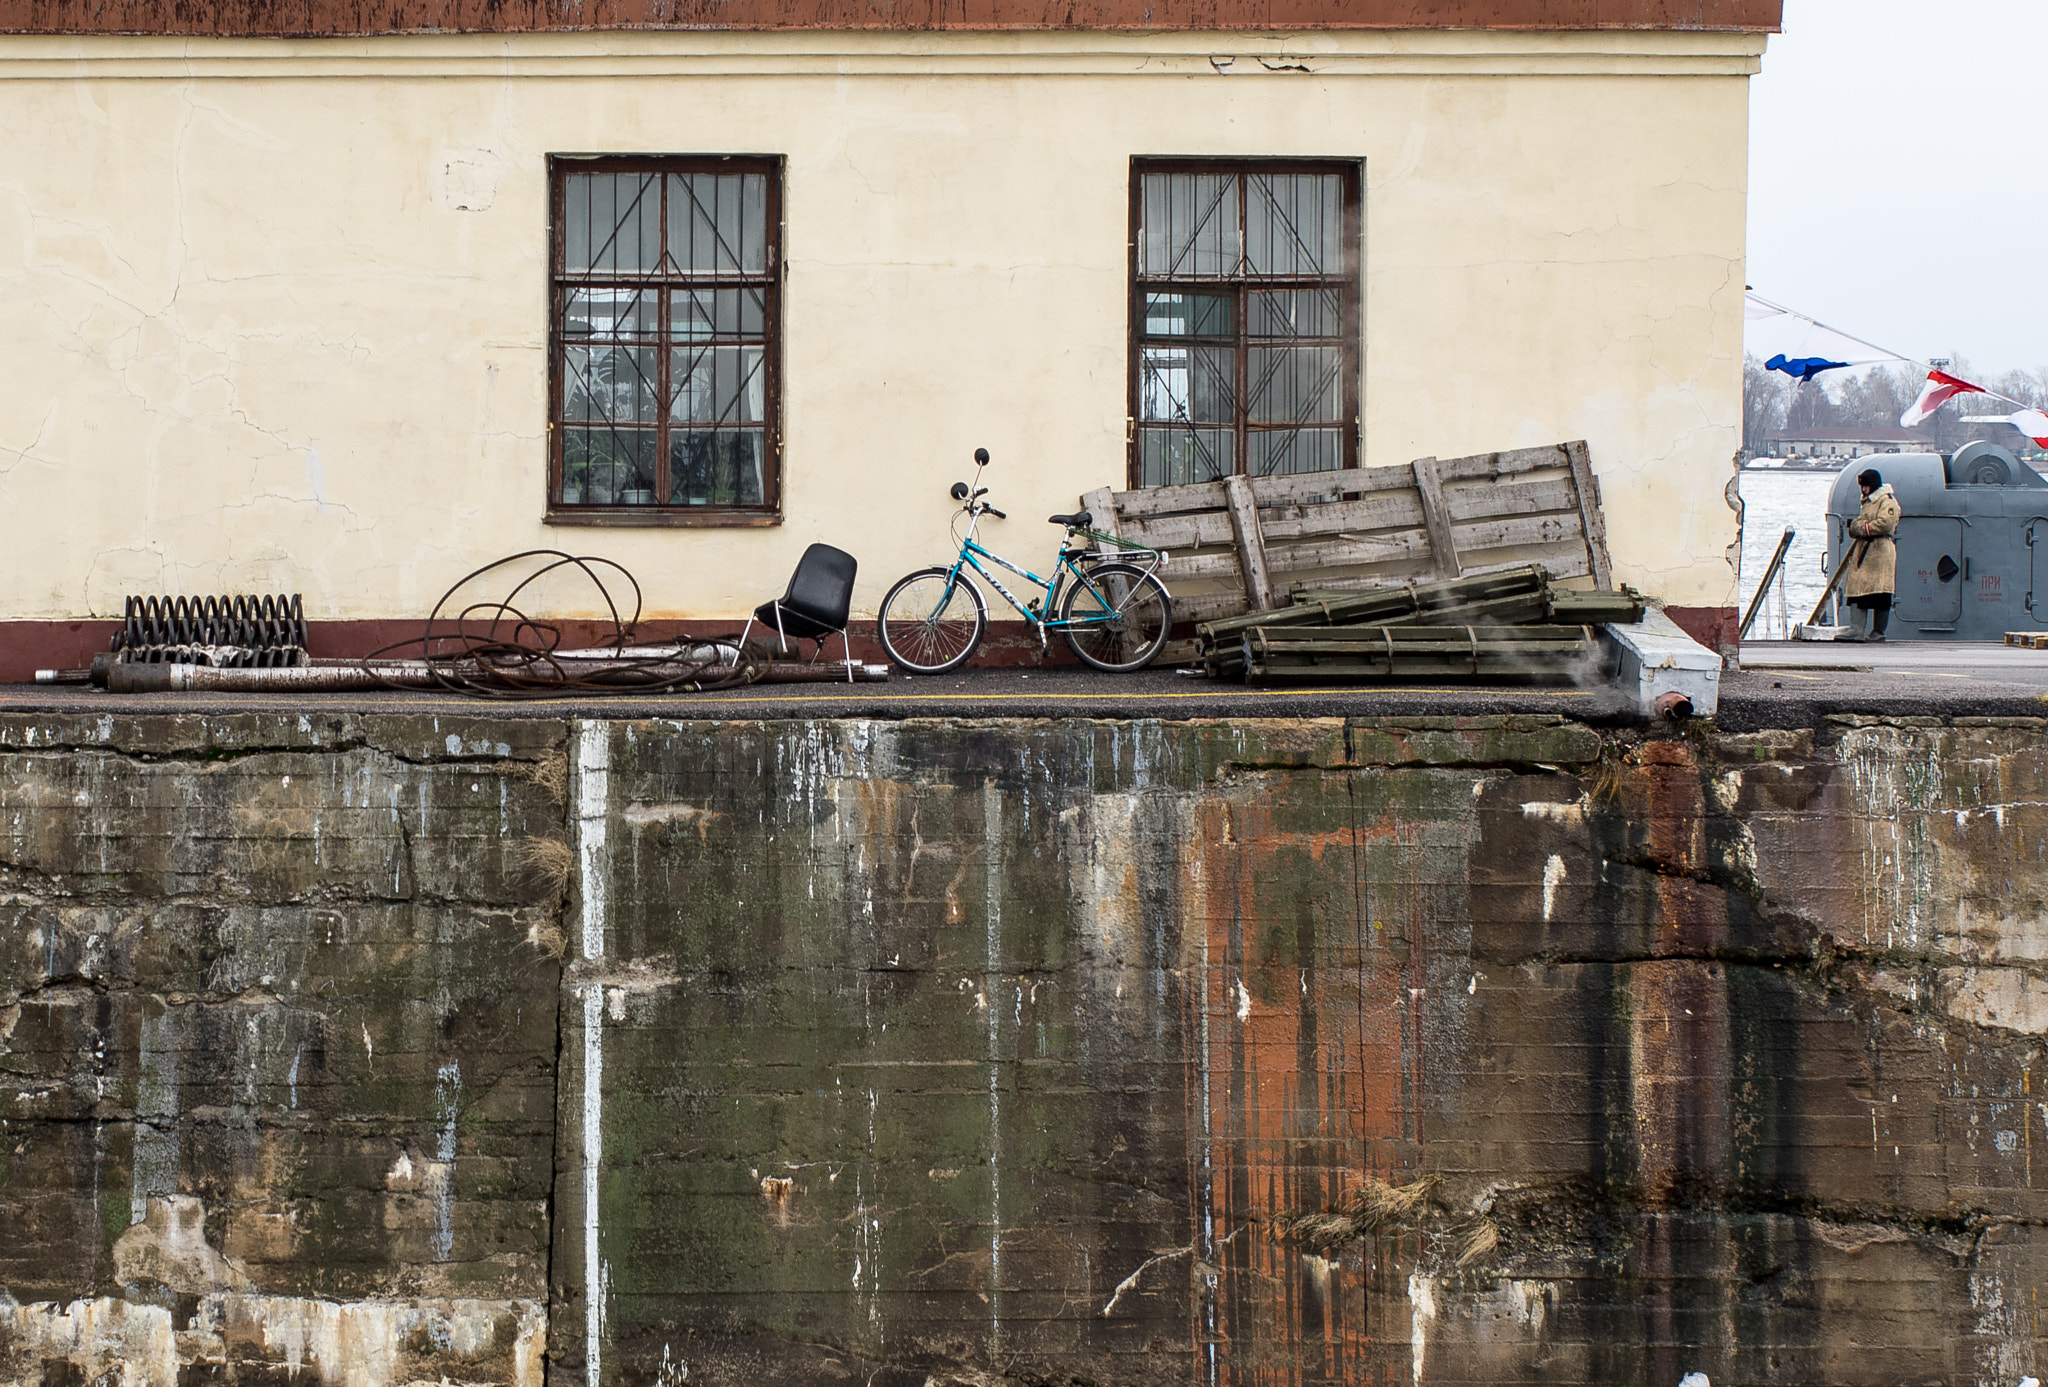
point(1119, 619)
point(932, 621)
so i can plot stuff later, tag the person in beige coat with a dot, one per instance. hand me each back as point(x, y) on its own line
point(1873, 557)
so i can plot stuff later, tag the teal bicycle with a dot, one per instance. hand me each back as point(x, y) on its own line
point(1110, 606)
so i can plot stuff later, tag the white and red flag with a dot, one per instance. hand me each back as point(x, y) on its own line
point(1941, 387)
point(2033, 423)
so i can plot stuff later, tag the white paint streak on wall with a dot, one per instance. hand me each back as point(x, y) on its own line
point(135, 1344)
point(992, 852)
point(1421, 1312)
point(440, 1175)
point(156, 1110)
point(593, 796)
point(1553, 877)
point(338, 1343)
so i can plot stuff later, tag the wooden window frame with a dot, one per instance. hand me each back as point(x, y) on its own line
point(769, 512)
point(1351, 299)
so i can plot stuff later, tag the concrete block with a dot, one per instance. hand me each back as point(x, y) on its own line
point(1659, 664)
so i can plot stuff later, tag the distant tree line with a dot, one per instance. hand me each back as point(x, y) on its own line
point(1875, 397)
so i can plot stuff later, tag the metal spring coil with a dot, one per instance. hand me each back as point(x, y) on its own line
point(217, 656)
point(238, 632)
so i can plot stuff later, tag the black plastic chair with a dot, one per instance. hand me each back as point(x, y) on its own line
point(815, 607)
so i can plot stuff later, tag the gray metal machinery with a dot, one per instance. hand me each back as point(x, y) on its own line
point(1973, 542)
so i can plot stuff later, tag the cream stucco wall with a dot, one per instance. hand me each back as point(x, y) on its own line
point(275, 313)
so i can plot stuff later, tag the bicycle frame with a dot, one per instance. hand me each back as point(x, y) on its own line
point(1041, 616)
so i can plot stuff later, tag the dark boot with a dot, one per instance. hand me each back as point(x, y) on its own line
point(1856, 625)
point(1880, 617)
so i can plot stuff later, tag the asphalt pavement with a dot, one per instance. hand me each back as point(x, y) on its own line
point(1778, 685)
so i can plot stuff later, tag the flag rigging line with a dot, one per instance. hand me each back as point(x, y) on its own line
point(1940, 388)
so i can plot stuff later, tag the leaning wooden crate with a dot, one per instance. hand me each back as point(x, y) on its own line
point(1241, 544)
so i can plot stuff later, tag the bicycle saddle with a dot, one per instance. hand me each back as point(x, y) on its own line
point(1079, 520)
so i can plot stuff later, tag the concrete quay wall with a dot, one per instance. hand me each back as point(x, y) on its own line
point(365, 1049)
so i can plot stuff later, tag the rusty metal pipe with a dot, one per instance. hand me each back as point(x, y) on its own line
point(833, 673)
point(1673, 706)
point(127, 678)
point(410, 674)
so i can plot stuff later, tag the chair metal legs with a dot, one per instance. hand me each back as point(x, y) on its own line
point(782, 642)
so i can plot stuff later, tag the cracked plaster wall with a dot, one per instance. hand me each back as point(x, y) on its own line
point(280, 309)
point(985, 1051)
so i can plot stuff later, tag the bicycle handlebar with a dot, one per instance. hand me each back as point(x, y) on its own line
point(970, 497)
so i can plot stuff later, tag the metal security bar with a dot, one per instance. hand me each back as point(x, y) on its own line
point(1244, 319)
point(664, 353)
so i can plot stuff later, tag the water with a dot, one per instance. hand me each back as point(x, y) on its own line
point(1773, 499)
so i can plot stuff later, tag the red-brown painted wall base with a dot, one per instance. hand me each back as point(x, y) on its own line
point(1713, 627)
point(27, 646)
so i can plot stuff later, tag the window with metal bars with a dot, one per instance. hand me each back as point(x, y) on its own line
point(664, 339)
point(1244, 319)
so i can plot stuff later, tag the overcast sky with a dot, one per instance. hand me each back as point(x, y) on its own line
point(1898, 175)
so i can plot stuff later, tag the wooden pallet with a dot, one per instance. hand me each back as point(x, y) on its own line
point(1240, 544)
point(2031, 640)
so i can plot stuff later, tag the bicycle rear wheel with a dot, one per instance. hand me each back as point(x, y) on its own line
point(1119, 619)
point(932, 621)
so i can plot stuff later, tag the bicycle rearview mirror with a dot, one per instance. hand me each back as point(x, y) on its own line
point(981, 457)
point(959, 491)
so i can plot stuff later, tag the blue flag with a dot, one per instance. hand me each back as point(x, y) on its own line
point(1804, 368)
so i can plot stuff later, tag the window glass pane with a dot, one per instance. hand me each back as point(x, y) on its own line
point(1187, 384)
point(608, 384)
point(1293, 224)
point(611, 223)
point(722, 467)
point(1189, 225)
point(700, 313)
point(609, 313)
point(1226, 368)
point(663, 397)
point(1293, 384)
point(1281, 452)
point(718, 223)
point(1178, 456)
point(608, 467)
point(718, 385)
point(1295, 313)
point(1190, 315)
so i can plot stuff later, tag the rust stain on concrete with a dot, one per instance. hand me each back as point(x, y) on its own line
point(986, 1051)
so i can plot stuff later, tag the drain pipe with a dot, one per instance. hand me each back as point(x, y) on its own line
point(1674, 706)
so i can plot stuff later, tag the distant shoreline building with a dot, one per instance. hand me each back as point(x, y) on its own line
point(1847, 441)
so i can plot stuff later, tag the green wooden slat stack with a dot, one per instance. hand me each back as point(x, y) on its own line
point(1509, 622)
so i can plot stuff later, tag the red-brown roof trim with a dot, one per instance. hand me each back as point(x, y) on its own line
point(357, 18)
